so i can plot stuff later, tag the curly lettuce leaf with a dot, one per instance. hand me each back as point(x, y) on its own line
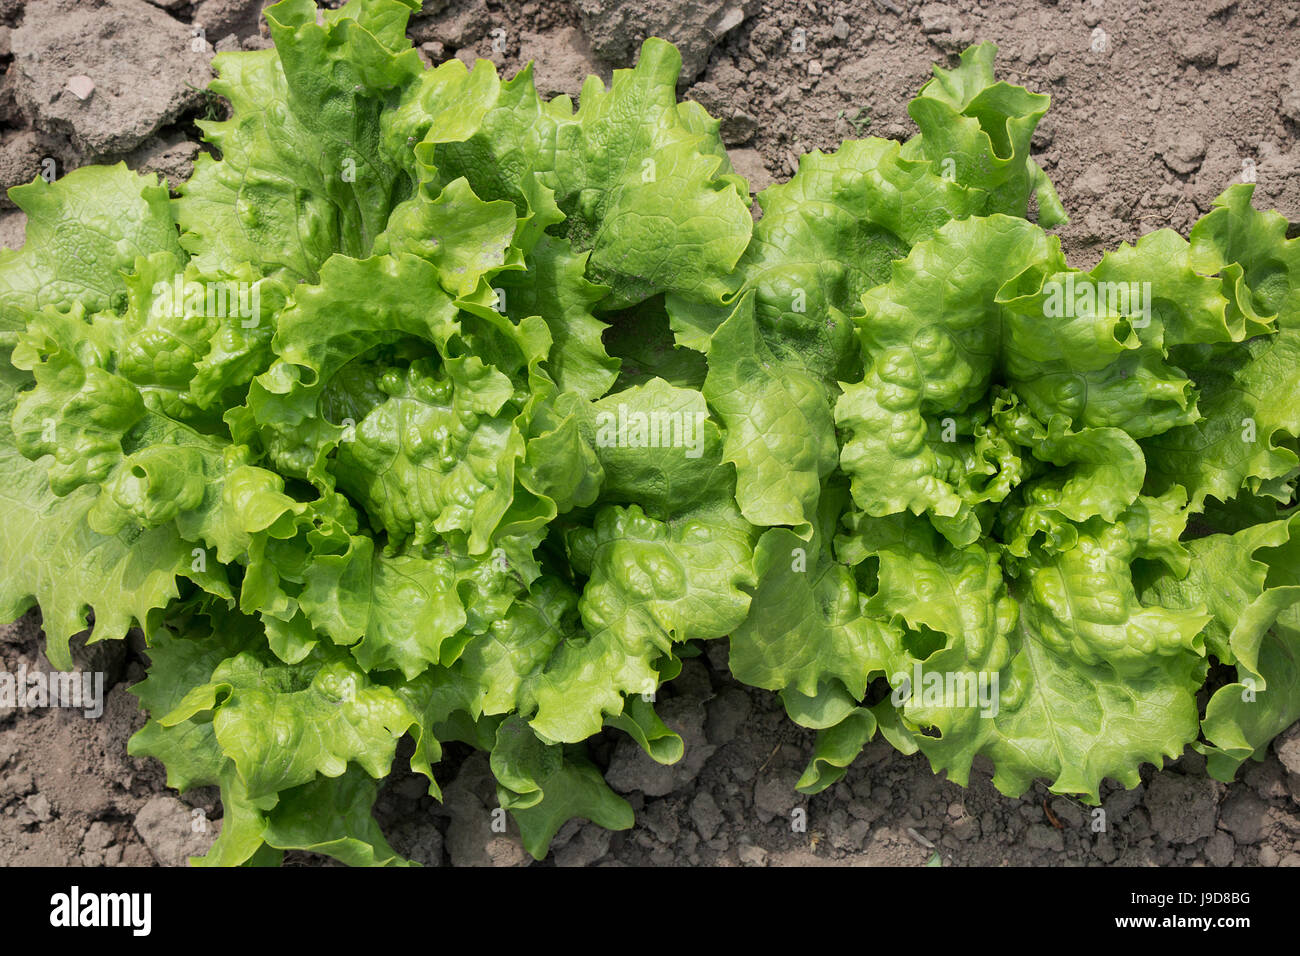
point(809, 627)
point(1244, 441)
point(282, 724)
point(181, 659)
point(332, 815)
point(302, 174)
point(978, 130)
point(82, 231)
point(546, 785)
point(927, 364)
point(652, 584)
point(779, 432)
point(1060, 674)
point(53, 558)
point(1250, 581)
point(629, 170)
point(836, 749)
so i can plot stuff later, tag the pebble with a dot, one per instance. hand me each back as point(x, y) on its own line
point(727, 713)
point(1287, 746)
point(705, 815)
point(775, 796)
point(753, 856)
point(1293, 786)
point(98, 837)
point(1104, 848)
point(1068, 813)
point(1220, 849)
point(1043, 837)
point(81, 86)
point(591, 844)
point(1245, 816)
point(39, 804)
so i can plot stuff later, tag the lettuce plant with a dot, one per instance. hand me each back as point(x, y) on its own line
point(429, 408)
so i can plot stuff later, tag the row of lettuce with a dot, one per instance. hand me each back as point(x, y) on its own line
point(502, 408)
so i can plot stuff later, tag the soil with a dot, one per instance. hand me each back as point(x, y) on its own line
point(1158, 106)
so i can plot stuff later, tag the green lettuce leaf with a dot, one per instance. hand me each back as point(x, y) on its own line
point(1250, 394)
point(652, 584)
point(1250, 581)
point(1063, 674)
point(282, 724)
point(53, 558)
point(809, 626)
point(302, 174)
point(546, 785)
point(982, 129)
point(779, 432)
point(82, 230)
point(924, 364)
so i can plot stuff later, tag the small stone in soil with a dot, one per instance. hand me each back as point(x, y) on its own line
point(98, 837)
point(1287, 747)
point(39, 804)
point(1245, 816)
point(1104, 849)
point(589, 846)
point(1182, 808)
point(753, 856)
point(705, 814)
point(1043, 837)
point(1219, 849)
point(81, 86)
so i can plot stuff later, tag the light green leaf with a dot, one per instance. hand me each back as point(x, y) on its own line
point(927, 365)
point(82, 231)
point(282, 724)
point(52, 557)
point(652, 585)
point(983, 129)
point(836, 749)
point(808, 623)
point(779, 431)
point(1250, 395)
point(574, 790)
point(629, 171)
point(332, 815)
point(660, 742)
point(302, 174)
